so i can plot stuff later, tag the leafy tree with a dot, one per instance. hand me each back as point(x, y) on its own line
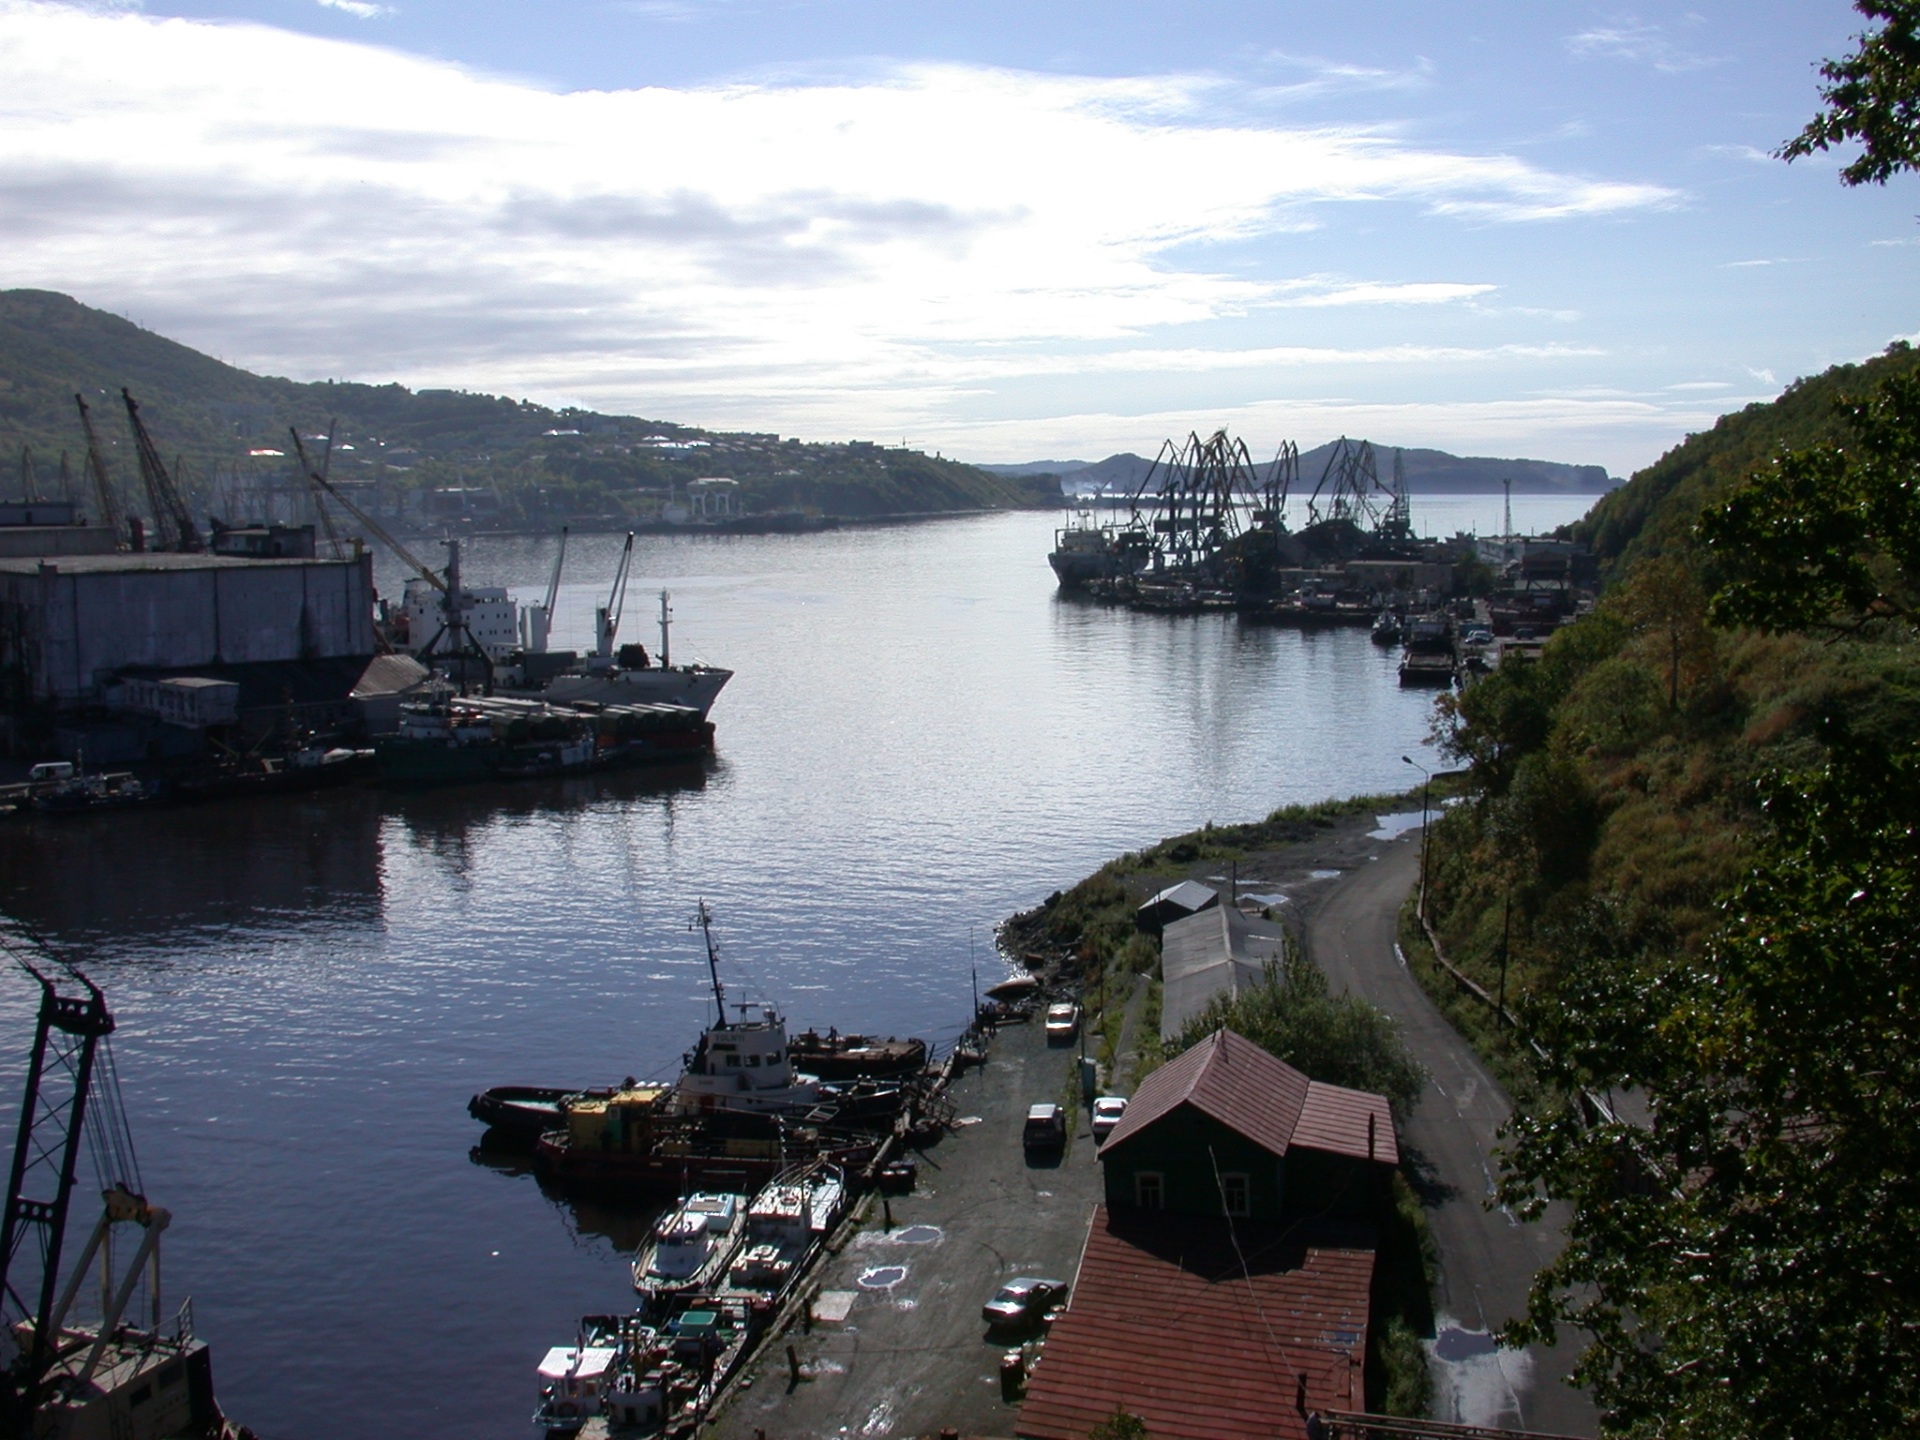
point(1747, 1260)
point(1339, 1039)
point(1872, 96)
point(1828, 534)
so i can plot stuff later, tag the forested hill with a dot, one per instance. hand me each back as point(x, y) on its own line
point(532, 464)
point(1686, 861)
point(1657, 508)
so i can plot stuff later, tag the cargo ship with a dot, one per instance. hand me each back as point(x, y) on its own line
point(451, 739)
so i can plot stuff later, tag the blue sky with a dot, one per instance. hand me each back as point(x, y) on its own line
point(1005, 231)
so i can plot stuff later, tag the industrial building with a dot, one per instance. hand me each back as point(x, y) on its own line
point(69, 625)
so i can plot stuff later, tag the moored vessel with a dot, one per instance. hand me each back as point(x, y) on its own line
point(834, 1056)
point(690, 1246)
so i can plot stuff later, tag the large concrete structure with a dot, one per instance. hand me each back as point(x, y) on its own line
point(70, 624)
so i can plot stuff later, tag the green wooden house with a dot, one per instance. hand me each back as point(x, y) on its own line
point(1228, 1129)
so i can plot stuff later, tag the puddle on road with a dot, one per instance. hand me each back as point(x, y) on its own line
point(882, 1277)
point(1325, 874)
point(1392, 827)
point(916, 1235)
point(1455, 1344)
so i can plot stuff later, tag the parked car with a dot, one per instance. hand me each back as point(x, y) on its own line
point(1046, 1128)
point(1107, 1111)
point(1477, 635)
point(1022, 1301)
point(1063, 1020)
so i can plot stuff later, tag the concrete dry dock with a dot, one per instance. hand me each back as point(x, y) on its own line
point(895, 1345)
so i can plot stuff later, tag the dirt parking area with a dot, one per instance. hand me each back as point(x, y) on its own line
point(894, 1344)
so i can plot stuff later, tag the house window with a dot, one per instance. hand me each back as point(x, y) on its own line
point(753, 1062)
point(1148, 1191)
point(1236, 1194)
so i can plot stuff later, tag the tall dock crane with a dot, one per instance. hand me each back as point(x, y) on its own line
point(171, 518)
point(61, 1379)
point(103, 493)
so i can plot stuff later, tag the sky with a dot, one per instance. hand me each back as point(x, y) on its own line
point(1004, 231)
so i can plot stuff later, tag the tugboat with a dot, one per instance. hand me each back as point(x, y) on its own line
point(737, 1116)
point(743, 1064)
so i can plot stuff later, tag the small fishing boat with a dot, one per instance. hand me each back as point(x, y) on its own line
point(786, 1222)
point(574, 1378)
point(834, 1056)
point(690, 1246)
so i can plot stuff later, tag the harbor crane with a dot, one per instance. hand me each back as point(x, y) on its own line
point(606, 620)
point(536, 621)
point(172, 523)
point(462, 646)
point(61, 1377)
point(110, 514)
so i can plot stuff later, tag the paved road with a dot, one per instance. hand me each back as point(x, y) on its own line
point(908, 1353)
point(1487, 1258)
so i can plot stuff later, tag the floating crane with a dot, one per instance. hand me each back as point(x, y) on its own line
point(171, 519)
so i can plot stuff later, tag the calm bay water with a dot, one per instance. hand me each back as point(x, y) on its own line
point(921, 738)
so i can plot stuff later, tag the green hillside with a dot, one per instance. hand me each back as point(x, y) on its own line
point(1657, 508)
point(422, 454)
point(1686, 858)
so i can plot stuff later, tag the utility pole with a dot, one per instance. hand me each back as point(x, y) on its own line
point(1426, 789)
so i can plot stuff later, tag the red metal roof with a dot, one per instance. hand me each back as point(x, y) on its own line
point(1166, 1323)
point(1347, 1122)
point(1228, 1078)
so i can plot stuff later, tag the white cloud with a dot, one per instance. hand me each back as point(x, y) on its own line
point(793, 255)
point(359, 9)
point(1314, 292)
point(1765, 377)
point(1631, 40)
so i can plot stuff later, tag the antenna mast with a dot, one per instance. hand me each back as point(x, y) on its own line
point(704, 918)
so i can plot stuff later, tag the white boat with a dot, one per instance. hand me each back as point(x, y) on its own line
point(690, 1246)
point(785, 1223)
point(574, 1380)
point(742, 1063)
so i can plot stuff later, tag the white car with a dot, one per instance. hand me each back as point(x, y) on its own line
point(1063, 1020)
point(1107, 1111)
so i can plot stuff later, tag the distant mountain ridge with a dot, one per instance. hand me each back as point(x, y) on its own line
point(494, 460)
point(1428, 472)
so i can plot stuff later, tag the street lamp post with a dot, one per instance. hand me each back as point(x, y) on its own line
point(1426, 789)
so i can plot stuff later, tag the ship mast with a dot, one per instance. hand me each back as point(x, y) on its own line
point(705, 920)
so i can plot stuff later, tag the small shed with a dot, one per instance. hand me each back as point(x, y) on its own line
point(1227, 1129)
point(1176, 902)
point(1217, 951)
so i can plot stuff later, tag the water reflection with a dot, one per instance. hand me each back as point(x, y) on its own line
point(232, 865)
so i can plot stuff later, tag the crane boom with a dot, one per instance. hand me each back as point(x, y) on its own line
point(407, 557)
point(608, 619)
point(553, 580)
point(102, 483)
point(170, 515)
